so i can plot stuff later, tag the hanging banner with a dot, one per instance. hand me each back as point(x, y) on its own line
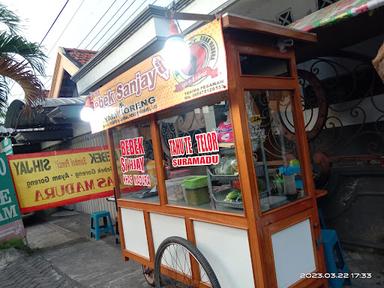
point(151, 86)
point(338, 11)
point(11, 225)
point(51, 179)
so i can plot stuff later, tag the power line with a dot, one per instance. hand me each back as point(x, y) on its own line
point(46, 34)
point(118, 29)
point(48, 79)
point(117, 11)
point(53, 23)
point(96, 24)
point(65, 28)
point(114, 23)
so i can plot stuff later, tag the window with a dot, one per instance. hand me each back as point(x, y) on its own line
point(324, 3)
point(135, 162)
point(274, 147)
point(200, 161)
point(284, 18)
point(264, 66)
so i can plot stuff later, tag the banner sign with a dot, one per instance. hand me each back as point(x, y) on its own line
point(151, 86)
point(11, 225)
point(50, 179)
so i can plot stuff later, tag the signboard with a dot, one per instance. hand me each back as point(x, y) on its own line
point(11, 225)
point(51, 179)
point(207, 143)
point(6, 146)
point(132, 162)
point(151, 86)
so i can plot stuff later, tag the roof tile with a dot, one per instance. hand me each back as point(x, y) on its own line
point(79, 56)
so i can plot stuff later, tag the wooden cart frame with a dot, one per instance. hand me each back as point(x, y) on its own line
point(251, 37)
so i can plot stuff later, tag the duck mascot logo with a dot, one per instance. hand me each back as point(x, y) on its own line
point(204, 56)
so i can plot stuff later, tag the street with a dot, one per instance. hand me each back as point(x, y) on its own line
point(63, 255)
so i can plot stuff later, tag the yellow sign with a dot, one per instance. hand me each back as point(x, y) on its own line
point(51, 179)
point(151, 86)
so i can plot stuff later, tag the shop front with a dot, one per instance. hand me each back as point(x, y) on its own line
point(215, 153)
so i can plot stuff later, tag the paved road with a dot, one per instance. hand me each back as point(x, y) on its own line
point(34, 271)
point(65, 257)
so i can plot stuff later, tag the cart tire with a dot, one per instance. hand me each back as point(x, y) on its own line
point(193, 251)
point(148, 274)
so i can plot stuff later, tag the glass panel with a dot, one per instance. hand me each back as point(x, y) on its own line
point(274, 147)
point(264, 66)
point(135, 162)
point(199, 154)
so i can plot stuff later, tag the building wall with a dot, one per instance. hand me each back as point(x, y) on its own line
point(348, 147)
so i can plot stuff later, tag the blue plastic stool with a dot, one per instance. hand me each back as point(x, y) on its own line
point(334, 258)
point(96, 229)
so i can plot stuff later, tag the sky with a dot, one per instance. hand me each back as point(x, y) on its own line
point(83, 24)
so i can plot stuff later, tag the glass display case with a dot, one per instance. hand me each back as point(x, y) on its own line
point(199, 156)
point(136, 167)
point(275, 157)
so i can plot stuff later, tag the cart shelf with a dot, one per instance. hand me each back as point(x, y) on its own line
point(221, 177)
point(229, 145)
point(219, 197)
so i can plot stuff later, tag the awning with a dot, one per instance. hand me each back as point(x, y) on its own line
point(57, 119)
point(338, 11)
point(52, 111)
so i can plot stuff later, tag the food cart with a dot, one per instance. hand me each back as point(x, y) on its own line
point(211, 161)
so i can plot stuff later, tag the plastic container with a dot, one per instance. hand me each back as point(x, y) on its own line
point(150, 167)
point(174, 189)
point(195, 190)
point(227, 166)
point(290, 187)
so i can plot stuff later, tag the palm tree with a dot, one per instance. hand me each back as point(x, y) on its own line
point(20, 60)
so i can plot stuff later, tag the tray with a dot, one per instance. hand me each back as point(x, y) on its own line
point(219, 197)
point(222, 176)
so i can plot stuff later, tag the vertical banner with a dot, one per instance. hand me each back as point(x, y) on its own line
point(11, 225)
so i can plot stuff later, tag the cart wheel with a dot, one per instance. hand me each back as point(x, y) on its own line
point(175, 254)
point(149, 275)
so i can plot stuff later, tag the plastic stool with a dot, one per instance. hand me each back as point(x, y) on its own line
point(334, 258)
point(107, 227)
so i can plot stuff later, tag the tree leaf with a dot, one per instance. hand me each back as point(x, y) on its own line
point(20, 73)
point(14, 46)
point(10, 19)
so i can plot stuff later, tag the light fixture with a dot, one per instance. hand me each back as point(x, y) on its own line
point(86, 112)
point(176, 51)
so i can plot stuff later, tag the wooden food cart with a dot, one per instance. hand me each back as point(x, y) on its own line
point(216, 153)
